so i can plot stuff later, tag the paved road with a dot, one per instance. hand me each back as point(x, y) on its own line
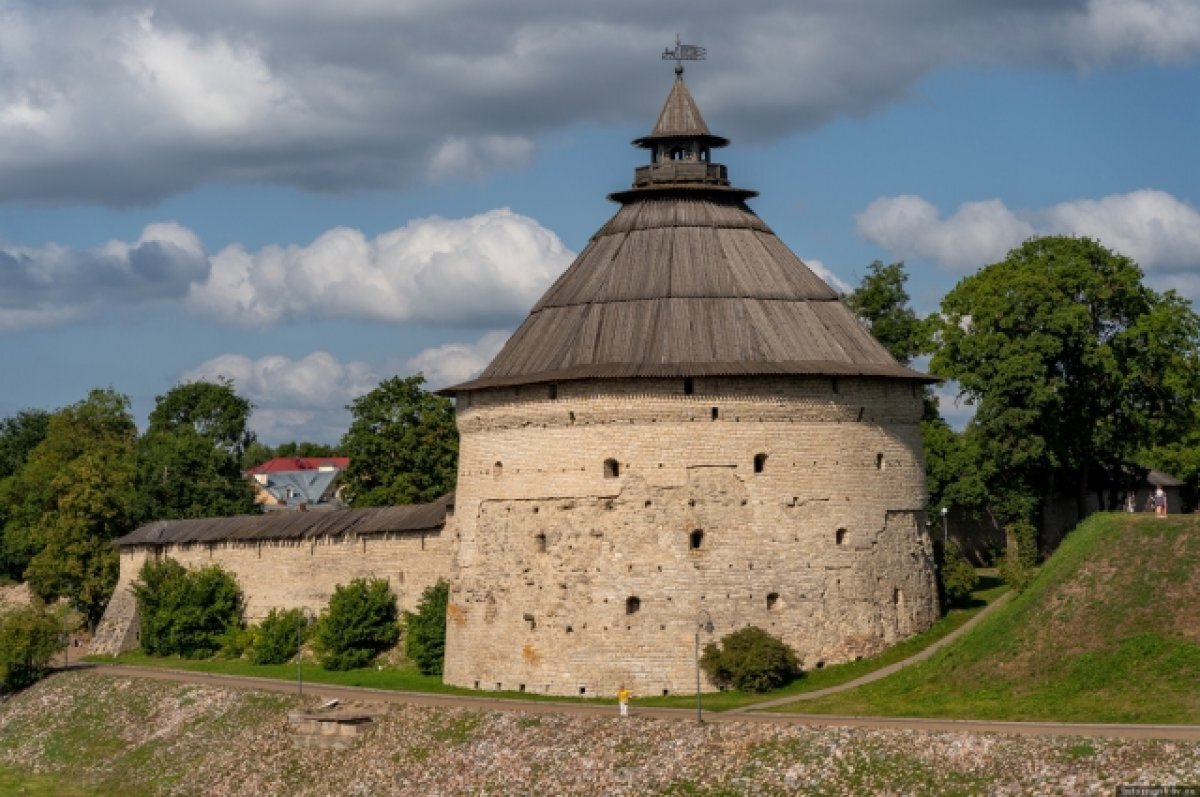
point(381, 696)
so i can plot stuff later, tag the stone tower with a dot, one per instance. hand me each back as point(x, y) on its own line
point(688, 427)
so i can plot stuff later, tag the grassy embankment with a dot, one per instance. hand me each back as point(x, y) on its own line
point(1109, 631)
point(408, 679)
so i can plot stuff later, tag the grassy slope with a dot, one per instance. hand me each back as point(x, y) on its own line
point(1109, 632)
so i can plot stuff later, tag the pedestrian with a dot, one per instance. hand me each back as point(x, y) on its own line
point(1160, 501)
point(623, 700)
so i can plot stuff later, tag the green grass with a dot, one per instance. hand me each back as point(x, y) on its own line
point(402, 680)
point(409, 680)
point(989, 589)
point(19, 784)
point(1105, 633)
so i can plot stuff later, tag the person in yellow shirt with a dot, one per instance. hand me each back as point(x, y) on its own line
point(623, 700)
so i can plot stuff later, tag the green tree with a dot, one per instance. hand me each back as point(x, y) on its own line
point(190, 458)
point(1073, 365)
point(19, 435)
point(402, 445)
point(186, 612)
point(359, 624)
point(882, 303)
point(751, 660)
point(29, 637)
point(425, 630)
point(73, 496)
point(279, 636)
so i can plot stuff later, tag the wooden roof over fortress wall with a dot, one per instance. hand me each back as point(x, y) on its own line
point(295, 525)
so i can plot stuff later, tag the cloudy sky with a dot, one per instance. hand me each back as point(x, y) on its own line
point(309, 196)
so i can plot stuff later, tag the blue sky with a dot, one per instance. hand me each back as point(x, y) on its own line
point(309, 197)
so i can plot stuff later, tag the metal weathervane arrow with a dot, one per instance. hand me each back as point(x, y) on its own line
point(684, 52)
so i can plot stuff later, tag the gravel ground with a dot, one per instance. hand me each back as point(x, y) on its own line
point(131, 737)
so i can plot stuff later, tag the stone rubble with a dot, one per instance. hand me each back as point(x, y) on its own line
point(177, 739)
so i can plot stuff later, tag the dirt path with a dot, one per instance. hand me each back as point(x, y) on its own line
point(381, 696)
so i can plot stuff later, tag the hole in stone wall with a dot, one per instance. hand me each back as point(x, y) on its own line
point(552, 391)
point(696, 538)
point(773, 601)
point(633, 604)
point(716, 413)
point(571, 417)
point(520, 687)
point(540, 542)
point(498, 470)
point(760, 461)
point(833, 383)
point(879, 462)
point(840, 536)
point(583, 690)
point(689, 386)
point(612, 469)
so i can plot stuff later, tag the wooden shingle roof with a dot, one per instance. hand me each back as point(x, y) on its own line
point(685, 280)
point(294, 525)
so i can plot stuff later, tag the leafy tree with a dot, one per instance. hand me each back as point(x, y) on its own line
point(29, 637)
point(186, 612)
point(72, 497)
point(279, 636)
point(402, 445)
point(1074, 366)
point(956, 578)
point(189, 460)
point(359, 624)
point(751, 660)
point(881, 302)
point(425, 631)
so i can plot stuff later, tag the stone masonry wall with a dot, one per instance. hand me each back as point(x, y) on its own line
point(791, 504)
point(290, 574)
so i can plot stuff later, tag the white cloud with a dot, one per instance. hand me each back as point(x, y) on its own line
point(481, 270)
point(126, 102)
point(831, 279)
point(455, 363)
point(293, 399)
point(908, 226)
point(306, 399)
point(51, 285)
point(1159, 231)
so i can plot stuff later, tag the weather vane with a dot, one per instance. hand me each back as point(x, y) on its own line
point(683, 52)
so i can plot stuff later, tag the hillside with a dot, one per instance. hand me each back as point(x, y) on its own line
point(85, 734)
point(1109, 631)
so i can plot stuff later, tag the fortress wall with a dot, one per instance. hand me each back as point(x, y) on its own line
point(290, 574)
point(825, 546)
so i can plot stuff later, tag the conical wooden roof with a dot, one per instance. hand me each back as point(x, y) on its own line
point(685, 280)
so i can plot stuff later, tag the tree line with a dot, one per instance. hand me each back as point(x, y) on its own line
point(74, 479)
point(1081, 378)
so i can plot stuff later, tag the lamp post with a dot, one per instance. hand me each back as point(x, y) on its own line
point(703, 623)
point(301, 627)
point(945, 533)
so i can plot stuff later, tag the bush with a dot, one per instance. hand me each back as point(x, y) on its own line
point(751, 660)
point(1020, 558)
point(29, 637)
point(279, 636)
point(359, 624)
point(425, 638)
point(956, 576)
point(183, 612)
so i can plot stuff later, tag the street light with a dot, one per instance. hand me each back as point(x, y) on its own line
point(703, 623)
point(945, 533)
point(300, 629)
